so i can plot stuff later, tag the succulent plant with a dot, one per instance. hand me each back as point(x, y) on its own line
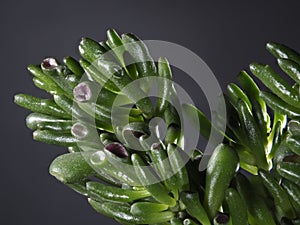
point(129, 171)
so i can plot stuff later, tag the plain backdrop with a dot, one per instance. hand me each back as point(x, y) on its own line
point(228, 35)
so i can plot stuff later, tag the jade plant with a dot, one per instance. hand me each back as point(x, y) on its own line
point(130, 172)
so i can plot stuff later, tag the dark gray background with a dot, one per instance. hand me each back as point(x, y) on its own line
point(227, 35)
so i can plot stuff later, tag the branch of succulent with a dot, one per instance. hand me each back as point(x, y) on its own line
point(134, 175)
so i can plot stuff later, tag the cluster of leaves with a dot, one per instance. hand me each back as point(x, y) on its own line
point(131, 173)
